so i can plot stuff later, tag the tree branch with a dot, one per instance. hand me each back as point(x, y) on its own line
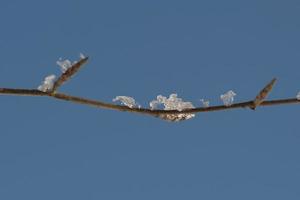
point(170, 115)
point(155, 113)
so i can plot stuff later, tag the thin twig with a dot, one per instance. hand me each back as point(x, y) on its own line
point(170, 115)
point(155, 113)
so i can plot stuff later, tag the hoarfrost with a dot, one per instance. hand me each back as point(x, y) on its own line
point(172, 103)
point(228, 98)
point(64, 64)
point(127, 101)
point(298, 96)
point(81, 56)
point(47, 84)
point(205, 103)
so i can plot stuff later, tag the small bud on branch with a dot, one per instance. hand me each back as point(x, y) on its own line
point(263, 94)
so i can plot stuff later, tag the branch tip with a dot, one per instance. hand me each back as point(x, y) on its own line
point(69, 73)
point(262, 94)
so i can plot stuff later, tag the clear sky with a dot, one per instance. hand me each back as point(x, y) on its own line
point(51, 149)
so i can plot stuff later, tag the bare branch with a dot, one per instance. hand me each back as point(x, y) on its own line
point(22, 92)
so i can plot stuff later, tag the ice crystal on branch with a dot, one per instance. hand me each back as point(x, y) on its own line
point(176, 117)
point(298, 96)
point(172, 103)
point(205, 103)
point(47, 83)
point(64, 64)
point(81, 56)
point(127, 101)
point(228, 98)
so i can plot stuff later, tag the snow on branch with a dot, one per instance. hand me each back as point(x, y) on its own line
point(228, 98)
point(47, 84)
point(298, 96)
point(68, 70)
point(205, 103)
point(127, 101)
point(173, 107)
point(173, 103)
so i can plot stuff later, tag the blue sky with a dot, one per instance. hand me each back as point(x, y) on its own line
point(51, 149)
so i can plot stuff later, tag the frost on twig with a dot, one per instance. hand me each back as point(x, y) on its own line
point(64, 64)
point(68, 70)
point(263, 94)
point(228, 98)
point(172, 103)
point(298, 96)
point(173, 108)
point(205, 103)
point(127, 101)
point(82, 56)
point(47, 84)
